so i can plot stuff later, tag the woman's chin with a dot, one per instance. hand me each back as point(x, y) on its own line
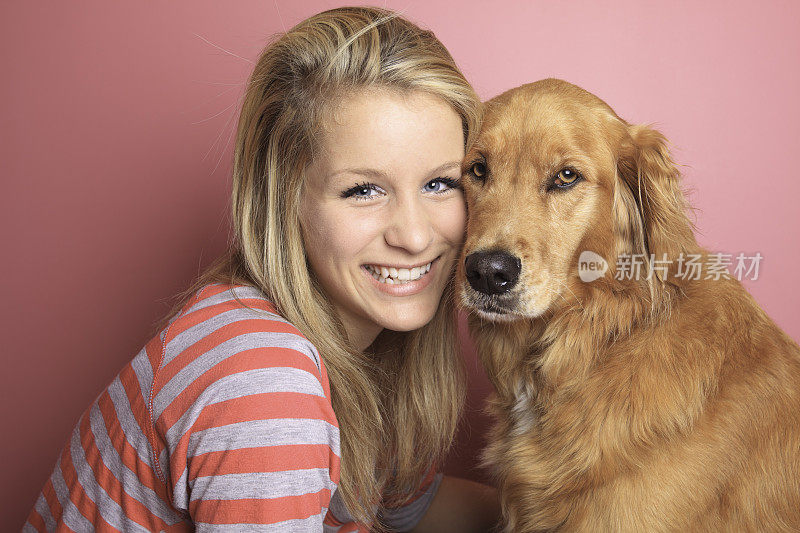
point(408, 321)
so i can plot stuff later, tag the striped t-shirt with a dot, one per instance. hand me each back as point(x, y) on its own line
point(222, 422)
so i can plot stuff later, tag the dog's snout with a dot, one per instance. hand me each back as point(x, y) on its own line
point(492, 272)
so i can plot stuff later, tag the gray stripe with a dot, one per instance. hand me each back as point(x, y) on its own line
point(304, 525)
point(191, 335)
point(261, 485)
point(43, 509)
point(244, 293)
point(163, 334)
point(163, 461)
point(70, 514)
point(129, 479)
point(28, 528)
point(130, 427)
point(219, 353)
point(242, 384)
point(106, 506)
point(144, 372)
point(406, 518)
point(208, 301)
point(261, 433)
point(180, 492)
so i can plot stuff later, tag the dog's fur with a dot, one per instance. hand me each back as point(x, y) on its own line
point(661, 404)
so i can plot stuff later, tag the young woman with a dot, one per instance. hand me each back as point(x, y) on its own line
point(310, 381)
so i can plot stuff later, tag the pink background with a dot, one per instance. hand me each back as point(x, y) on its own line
point(116, 150)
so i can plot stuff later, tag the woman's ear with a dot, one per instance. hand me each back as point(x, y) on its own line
point(649, 204)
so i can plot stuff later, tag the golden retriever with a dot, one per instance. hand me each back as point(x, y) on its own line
point(659, 401)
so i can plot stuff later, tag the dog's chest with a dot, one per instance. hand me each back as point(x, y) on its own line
point(522, 413)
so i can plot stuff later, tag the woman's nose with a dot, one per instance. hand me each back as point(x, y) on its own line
point(410, 227)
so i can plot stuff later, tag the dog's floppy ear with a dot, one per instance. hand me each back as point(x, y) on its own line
point(650, 207)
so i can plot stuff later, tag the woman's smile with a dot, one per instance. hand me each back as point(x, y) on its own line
point(399, 280)
point(398, 274)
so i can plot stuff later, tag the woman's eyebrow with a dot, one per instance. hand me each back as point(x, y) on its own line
point(376, 173)
point(368, 172)
point(447, 166)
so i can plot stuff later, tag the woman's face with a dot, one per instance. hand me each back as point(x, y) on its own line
point(382, 218)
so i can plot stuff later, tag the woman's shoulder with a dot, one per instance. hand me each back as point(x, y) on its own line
point(235, 318)
point(238, 388)
point(229, 340)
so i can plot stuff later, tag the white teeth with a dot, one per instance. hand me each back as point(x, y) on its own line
point(393, 275)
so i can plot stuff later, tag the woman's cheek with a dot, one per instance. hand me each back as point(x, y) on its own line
point(365, 221)
point(455, 220)
point(347, 235)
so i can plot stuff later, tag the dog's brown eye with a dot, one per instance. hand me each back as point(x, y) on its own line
point(566, 177)
point(478, 170)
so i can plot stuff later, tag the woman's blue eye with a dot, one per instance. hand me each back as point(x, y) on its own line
point(439, 185)
point(362, 191)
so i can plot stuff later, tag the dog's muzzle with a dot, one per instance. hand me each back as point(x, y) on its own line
point(492, 272)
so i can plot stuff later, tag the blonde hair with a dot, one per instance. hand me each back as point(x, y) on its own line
point(397, 405)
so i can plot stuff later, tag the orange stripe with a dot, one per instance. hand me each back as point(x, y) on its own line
point(36, 520)
point(258, 407)
point(266, 459)
point(141, 412)
point(212, 290)
point(205, 292)
point(153, 351)
point(77, 494)
point(253, 359)
point(103, 526)
point(254, 511)
point(195, 317)
point(252, 459)
point(126, 452)
point(217, 337)
point(52, 500)
point(136, 398)
point(265, 406)
point(186, 321)
point(133, 508)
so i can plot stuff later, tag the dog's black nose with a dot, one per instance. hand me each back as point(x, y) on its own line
point(492, 272)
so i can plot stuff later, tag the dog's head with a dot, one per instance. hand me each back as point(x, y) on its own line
point(556, 182)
